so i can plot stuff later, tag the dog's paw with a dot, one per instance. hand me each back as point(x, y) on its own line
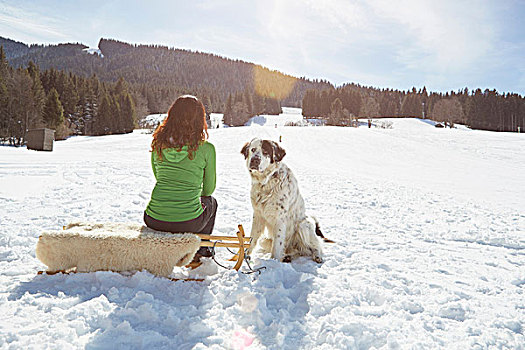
point(287, 259)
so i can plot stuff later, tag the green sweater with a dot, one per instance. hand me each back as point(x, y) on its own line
point(181, 182)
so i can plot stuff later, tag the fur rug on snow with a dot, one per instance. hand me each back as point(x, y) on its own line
point(115, 247)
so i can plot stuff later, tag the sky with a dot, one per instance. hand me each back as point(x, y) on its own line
point(443, 45)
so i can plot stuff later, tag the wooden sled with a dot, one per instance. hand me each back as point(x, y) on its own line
point(241, 242)
point(89, 247)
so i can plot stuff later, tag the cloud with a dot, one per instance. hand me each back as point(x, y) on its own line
point(391, 44)
point(27, 25)
point(443, 35)
point(343, 15)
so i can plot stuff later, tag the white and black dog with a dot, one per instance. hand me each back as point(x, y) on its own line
point(278, 206)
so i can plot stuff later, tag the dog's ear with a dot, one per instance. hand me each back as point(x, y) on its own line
point(244, 150)
point(278, 152)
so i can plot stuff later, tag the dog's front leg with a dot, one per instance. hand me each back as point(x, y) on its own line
point(257, 230)
point(279, 240)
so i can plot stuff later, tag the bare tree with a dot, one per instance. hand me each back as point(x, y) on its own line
point(370, 108)
point(448, 111)
point(240, 114)
point(338, 115)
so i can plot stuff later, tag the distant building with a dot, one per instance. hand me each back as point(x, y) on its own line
point(40, 139)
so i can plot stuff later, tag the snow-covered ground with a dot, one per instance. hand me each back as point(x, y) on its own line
point(95, 51)
point(430, 253)
point(289, 114)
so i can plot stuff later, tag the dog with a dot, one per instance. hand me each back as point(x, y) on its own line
point(278, 206)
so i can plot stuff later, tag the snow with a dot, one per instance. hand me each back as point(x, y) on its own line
point(94, 51)
point(152, 120)
point(216, 120)
point(289, 114)
point(430, 252)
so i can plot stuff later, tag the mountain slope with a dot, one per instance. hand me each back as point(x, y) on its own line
point(161, 67)
point(13, 48)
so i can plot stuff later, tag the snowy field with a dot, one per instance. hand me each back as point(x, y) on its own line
point(290, 114)
point(430, 253)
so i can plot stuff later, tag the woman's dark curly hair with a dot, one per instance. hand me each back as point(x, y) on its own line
point(185, 125)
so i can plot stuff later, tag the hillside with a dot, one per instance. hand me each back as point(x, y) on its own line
point(13, 48)
point(166, 72)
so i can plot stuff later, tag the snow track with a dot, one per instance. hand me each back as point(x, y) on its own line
point(430, 253)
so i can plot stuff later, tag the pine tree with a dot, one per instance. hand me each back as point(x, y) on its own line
point(116, 124)
point(369, 109)
point(4, 65)
point(248, 100)
point(206, 101)
point(324, 104)
point(336, 113)
point(20, 100)
point(121, 87)
point(449, 111)
point(127, 112)
point(240, 114)
point(4, 96)
point(53, 114)
point(68, 95)
point(307, 103)
point(412, 104)
point(36, 107)
point(207, 108)
point(153, 103)
point(228, 112)
point(355, 102)
point(272, 106)
point(258, 104)
point(102, 122)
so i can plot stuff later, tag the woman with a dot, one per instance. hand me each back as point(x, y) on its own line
point(183, 163)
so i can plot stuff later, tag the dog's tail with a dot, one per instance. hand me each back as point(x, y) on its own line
point(319, 233)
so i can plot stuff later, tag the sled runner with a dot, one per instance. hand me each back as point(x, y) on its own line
point(89, 247)
point(241, 242)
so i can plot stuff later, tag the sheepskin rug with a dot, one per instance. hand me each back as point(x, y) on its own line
point(115, 247)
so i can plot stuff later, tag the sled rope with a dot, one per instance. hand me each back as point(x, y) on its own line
point(241, 254)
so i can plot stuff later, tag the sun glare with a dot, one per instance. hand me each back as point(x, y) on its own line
point(272, 84)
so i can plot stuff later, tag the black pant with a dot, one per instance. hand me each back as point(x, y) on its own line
point(202, 224)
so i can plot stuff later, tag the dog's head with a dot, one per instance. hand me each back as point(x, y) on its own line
point(261, 154)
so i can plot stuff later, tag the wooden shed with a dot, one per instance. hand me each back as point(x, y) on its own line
point(40, 139)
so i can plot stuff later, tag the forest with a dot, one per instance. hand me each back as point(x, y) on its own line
point(158, 74)
point(96, 92)
point(68, 103)
point(485, 110)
